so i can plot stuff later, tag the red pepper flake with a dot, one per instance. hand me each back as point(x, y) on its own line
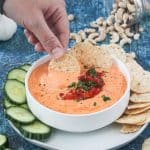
point(89, 85)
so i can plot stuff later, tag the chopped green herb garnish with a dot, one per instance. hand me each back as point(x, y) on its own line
point(92, 72)
point(87, 85)
point(91, 84)
point(80, 84)
point(72, 85)
point(105, 98)
point(94, 104)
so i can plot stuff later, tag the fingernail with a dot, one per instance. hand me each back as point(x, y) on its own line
point(57, 52)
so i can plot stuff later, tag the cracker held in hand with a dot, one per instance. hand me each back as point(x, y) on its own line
point(129, 128)
point(91, 55)
point(67, 63)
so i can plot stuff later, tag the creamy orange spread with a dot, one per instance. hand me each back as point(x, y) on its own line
point(46, 86)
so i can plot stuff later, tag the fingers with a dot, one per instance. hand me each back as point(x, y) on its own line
point(61, 24)
point(39, 47)
point(33, 40)
point(46, 37)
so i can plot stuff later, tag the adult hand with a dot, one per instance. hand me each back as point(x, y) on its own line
point(45, 22)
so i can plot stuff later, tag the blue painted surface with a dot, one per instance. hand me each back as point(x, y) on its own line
point(17, 51)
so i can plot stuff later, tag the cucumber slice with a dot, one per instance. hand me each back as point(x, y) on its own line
point(26, 67)
point(37, 130)
point(7, 103)
point(20, 115)
point(3, 142)
point(24, 106)
point(15, 91)
point(18, 74)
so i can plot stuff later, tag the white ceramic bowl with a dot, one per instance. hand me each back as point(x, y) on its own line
point(73, 122)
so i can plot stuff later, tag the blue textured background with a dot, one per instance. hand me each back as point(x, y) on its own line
point(17, 51)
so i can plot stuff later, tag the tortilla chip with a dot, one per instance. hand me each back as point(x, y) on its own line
point(138, 105)
point(144, 84)
point(136, 73)
point(137, 111)
point(115, 50)
point(140, 98)
point(146, 144)
point(67, 63)
point(134, 119)
point(91, 55)
point(129, 128)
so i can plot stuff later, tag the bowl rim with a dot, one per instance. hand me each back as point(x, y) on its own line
point(46, 58)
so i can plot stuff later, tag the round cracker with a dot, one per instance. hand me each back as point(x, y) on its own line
point(115, 50)
point(144, 84)
point(140, 98)
point(91, 55)
point(136, 73)
point(67, 63)
point(137, 111)
point(133, 119)
point(129, 128)
point(138, 105)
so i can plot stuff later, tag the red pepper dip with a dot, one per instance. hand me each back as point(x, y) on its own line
point(84, 92)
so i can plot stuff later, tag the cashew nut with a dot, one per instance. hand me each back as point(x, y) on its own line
point(109, 20)
point(110, 29)
point(131, 18)
point(136, 36)
point(114, 38)
point(132, 1)
point(94, 24)
point(119, 15)
point(122, 4)
point(93, 35)
point(124, 26)
point(102, 35)
point(128, 32)
point(89, 30)
point(122, 35)
point(125, 41)
point(125, 17)
point(91, 41)
point(131, 7)
point(76, 37)
point(113, 11)
point(71, 17)
point(118, 28)
point(82, 34)
point(100, 20)
point(104, 23)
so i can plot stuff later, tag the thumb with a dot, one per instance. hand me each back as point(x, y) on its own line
point(46, 37)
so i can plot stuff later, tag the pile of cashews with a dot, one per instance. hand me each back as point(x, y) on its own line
point(118, 25)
